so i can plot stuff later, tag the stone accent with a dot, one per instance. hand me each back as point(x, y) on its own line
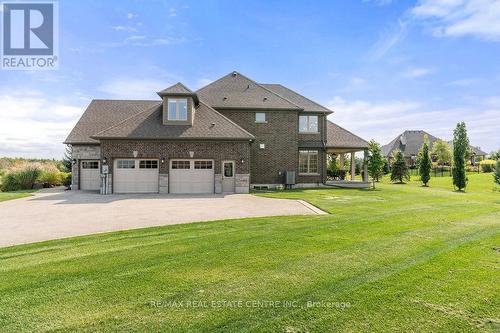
point(82, 152)
point(280, 134)
point(218, 183)
point(242, 183)
point(163, 183)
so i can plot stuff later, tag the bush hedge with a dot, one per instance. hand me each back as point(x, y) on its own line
point(24, 176)
point(487, 165)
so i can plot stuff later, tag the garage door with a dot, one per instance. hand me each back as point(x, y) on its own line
point(191, 176)
point(135, 176)
point(90, 178)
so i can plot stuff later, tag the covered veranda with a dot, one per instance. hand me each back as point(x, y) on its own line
point(341, 142)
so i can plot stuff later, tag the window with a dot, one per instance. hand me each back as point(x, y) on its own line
point(126, 164)
point(90, 165)
point(148, 164)
point(203, 164)
point(260, 117)
point(228, 169)
point(308, 124)
point(308, 162)
point(180, 164)
point(177, 109)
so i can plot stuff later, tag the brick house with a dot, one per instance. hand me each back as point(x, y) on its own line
point(227, 137)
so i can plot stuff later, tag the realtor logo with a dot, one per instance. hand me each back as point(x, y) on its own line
point(29, 35)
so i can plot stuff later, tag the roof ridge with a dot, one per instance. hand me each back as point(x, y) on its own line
point(126, 119)
point(346, 130)
point(269, 90)
point(226, 118)
point(310, 100)
point(123, 100)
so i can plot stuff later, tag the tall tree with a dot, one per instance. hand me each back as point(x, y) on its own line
point(460, 149)
point(496, 173)
point(442, 151)
point(67, 158)
point(425, 163)
point(399, 170)
point(375, 161)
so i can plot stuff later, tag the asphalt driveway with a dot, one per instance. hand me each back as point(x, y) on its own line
point(58, 214)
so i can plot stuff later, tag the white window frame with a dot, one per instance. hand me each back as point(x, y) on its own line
point(308, 124)
point(309, 153)
point(177, 109)
point(260, 121)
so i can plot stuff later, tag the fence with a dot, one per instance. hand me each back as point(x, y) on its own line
point(444, 171)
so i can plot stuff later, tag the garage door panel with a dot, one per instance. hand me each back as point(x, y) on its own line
point(136, 176)
point(191, 180)
point(90, 177)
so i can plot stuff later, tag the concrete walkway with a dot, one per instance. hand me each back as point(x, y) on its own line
point(57, 214)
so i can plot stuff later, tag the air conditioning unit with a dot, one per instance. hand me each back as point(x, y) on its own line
point(289, 178)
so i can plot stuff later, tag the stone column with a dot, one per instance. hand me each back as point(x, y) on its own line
point(341, 161)
point(353, 166)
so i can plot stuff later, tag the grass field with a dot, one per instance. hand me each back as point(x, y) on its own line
point(4, 196)
point(400, 258)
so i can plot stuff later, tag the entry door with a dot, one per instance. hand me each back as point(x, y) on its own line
point(228, 176)
point(90, 176)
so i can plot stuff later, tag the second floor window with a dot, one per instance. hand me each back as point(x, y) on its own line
point(177, 109)
point(260, 117)
point(308, 124)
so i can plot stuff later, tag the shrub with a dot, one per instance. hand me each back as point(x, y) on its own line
point(496, 175)
point(66, 178)
point(20, 179)
point(52, 178)
point(487, 165)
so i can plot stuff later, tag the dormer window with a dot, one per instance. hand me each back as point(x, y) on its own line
point(177, 109)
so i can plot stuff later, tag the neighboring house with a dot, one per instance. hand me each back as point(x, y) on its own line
point(226, 137)
point(477, 155)
point(410, 142)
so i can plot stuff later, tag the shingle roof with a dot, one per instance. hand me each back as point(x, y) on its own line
point(477, 151)
point(409, 142)
point(239, 92)
point(177, 88)
point(338, 137)
point(302, 101)
point(102, 114)
point(207, 124)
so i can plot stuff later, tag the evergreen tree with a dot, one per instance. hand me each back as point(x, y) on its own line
point(425, 163)
point(67, 158)
point(375, 161)
point(399, 168)
point(460, 148)
point(496, 173)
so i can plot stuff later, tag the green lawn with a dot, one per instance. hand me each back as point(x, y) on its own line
point(4, 196)
point(400, 258)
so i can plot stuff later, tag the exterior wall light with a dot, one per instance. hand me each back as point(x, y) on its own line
point(162, 160)
point(73, 161)
point(104, 160)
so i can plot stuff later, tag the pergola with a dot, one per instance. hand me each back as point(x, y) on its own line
point(340, 141)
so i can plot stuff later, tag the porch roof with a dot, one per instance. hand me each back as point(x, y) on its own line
point(339, 139)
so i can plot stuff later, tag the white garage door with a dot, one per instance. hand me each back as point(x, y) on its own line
point(90, 178)
point(135, 176)
point(191, 176)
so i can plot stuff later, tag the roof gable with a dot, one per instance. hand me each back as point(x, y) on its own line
point(236, 91)
point(305, 103)
point(207, 124)
point(177, 88)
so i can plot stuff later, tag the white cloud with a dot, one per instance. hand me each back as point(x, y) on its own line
point(130, 88)
point(388, 40)
point(172, 12)
point(479, 18)
point(417, 72)
point(36, 126)
point(131, 16)
point(464, 82)
point(125, 28)
point(383, 121)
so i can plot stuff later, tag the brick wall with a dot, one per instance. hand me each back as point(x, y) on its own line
point(216, 150)
point(280, 134)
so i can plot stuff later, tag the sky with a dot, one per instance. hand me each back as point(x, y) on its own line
point(382, 66)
